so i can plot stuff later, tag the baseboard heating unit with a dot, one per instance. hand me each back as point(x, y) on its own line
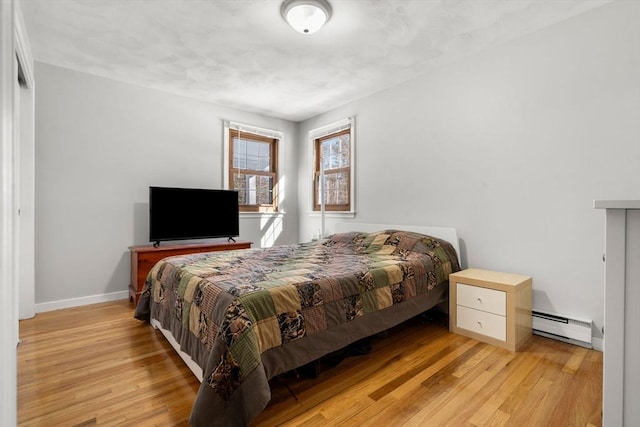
point(573, 331)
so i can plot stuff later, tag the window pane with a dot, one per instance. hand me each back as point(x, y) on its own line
point(335, 152)
point(240, 187)
point(239, 162)
point(254, 189)
point(239, 146)
point(264, 190)
point(252, 148)
point(263, 164)
point(251, 155)
point(252, 163)
point(336, 189)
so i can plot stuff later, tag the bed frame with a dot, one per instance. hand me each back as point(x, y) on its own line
point(191, 364)
point(446, 233)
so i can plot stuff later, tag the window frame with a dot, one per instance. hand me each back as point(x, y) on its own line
point(316, 136)
point(317, 173)
point(274, 138)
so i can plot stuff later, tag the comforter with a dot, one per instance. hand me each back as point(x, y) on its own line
point(247, 315)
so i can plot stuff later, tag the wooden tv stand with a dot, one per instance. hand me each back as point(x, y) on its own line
point(143, 258)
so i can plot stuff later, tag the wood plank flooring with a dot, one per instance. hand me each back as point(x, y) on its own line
point(97, 365)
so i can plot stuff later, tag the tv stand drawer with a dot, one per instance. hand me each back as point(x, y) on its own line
point(143, 258)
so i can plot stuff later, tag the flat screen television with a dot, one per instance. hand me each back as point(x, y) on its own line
point(192, 213)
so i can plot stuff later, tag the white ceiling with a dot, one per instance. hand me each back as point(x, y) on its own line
point(241, 53)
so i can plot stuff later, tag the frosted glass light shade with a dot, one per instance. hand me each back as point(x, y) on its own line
point(306, 16)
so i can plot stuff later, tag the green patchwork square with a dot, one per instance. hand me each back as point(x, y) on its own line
point(380, 277)
point(183, 310)
point(369, 301)
point(259, 305)
point(190, 288)
point(245, 352)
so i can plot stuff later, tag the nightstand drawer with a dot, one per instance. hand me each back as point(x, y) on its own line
point(484, 299)
point(481, 322)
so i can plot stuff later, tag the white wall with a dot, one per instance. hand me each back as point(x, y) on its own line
point(511, 147)
point(99, 145)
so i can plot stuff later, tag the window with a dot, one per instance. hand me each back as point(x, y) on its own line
point(253, 167)
point(332, 163)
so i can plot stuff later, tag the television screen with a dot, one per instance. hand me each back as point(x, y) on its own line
point(192, 213)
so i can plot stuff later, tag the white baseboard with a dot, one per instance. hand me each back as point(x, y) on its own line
point(76, 302)
point(597, 343)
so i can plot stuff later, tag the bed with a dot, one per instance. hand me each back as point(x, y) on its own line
point(239, 318)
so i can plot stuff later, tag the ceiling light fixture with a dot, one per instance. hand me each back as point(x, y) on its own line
point(306, 16)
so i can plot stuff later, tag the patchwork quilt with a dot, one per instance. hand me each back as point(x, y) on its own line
point(247, 315)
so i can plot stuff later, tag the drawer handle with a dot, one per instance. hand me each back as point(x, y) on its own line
point(479, 323)
point(480, 300)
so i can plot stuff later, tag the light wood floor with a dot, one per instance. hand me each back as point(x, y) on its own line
point(97, 365)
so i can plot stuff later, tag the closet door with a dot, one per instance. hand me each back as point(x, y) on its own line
point(621, 382)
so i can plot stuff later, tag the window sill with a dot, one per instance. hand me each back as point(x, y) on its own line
point(261, 214)
point(332, 214)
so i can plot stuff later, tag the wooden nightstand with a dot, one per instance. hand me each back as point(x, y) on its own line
point(491, 306)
